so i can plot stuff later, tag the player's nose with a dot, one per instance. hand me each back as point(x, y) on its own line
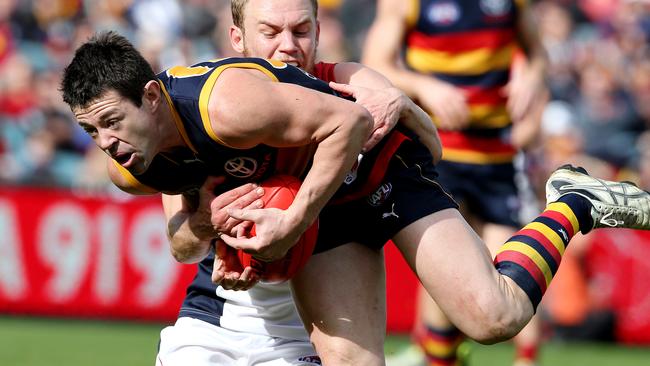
point(288, 43)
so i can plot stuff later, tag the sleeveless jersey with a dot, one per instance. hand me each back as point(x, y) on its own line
point(264, 309)
point(469, 44)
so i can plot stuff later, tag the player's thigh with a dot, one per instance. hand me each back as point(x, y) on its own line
point(341, 297)
point(456, 269)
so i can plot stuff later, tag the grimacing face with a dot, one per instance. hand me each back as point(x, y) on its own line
point(284, 30)
point(126, 133)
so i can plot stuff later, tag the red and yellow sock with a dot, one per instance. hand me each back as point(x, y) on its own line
point(440, 346)
point(532, 256)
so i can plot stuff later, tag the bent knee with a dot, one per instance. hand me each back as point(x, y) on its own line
point(495, 324)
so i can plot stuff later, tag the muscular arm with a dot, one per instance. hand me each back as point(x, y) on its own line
point(527, 87)
point(286, 115)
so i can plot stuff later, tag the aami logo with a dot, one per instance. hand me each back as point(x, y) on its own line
point(444, 13)
point(380, 195)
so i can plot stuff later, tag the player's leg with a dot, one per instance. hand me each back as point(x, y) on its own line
point(493, 302)
point(528, 340)
point(456, 269)
point(341, 297)
point(437, 338)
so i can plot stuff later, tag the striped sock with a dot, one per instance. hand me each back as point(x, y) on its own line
point(526, 355)
point(440, 346)
point(532, 256)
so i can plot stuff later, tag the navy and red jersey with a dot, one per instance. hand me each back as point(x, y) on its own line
point(469, 44)
point(187, 90)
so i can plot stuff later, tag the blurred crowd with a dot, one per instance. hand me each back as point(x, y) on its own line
point(599, 78)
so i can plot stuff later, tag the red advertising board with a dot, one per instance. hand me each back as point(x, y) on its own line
point(68, 255)
point(618, 263)
point(63, 254)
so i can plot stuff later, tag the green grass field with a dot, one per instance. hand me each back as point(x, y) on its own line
point(50, 342)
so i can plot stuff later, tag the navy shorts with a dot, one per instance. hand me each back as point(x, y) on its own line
point(488, 191)
point(409, 191)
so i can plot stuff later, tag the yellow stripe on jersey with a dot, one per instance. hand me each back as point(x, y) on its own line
point(413, 13)
point(485, 116)
point(475, 157)
point(549, 233)
point(532, 254)
point(206, 91)
point(567, 212)
point(465, 63)
point(133, 181)
point(177, 119)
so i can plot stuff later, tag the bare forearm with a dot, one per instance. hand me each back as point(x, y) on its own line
point(186, 246)
point(332, 160)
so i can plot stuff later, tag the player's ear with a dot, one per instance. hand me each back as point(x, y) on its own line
point(317, 32)
point(237, 38)
point(152, 94)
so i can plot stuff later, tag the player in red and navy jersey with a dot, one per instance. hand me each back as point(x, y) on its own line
point(120, 102)
point(460, 58)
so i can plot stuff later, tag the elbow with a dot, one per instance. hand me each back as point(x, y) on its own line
point(362, 123)
point(188, 252)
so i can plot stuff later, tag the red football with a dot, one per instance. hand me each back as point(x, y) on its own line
point(279, 192)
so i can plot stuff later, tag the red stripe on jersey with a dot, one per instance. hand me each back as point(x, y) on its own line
point(325, 71)
point(490, 96)
point(462, 41)
point(378, 170)
point(527, 263)
point(545, 242)
point(560, 219)
point(457, 140)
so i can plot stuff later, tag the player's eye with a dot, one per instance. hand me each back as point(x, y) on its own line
point(92, 131)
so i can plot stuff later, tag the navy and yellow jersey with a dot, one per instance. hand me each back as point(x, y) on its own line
point(188, 89)
point(469, 44)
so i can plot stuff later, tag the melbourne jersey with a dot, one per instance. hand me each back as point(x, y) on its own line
point(469, 44)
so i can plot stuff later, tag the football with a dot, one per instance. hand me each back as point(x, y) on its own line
point(279, 192)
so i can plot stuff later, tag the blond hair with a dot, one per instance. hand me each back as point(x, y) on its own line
point(237, 9)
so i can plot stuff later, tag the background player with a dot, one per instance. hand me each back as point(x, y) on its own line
point(459, 64)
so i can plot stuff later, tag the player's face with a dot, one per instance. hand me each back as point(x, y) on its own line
point(284, 30)
point(123, 131)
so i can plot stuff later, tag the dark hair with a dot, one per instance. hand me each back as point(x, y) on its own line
point(106, 61)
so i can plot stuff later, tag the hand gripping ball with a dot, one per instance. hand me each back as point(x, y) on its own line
point(279, 192)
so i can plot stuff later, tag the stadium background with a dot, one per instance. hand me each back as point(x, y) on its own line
point(85, 273)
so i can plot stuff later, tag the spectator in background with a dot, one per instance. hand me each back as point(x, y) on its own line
point(607, 117)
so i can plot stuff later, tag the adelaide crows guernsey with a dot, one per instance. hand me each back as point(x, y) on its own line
point(469, 44)
point(264, 309)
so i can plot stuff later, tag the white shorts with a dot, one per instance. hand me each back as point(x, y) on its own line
point(198, 343)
